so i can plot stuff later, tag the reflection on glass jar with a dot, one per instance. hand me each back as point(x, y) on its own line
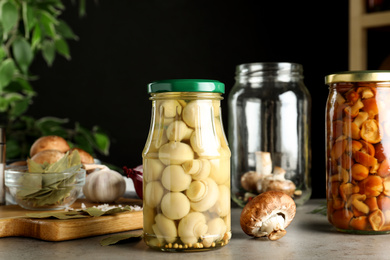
point(358, 149)
point(269, 131)
point(186, 172)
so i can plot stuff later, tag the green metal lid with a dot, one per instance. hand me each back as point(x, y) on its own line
point(359, 76)
point(186, 85)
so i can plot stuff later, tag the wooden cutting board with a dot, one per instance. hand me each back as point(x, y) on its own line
point(14, 223)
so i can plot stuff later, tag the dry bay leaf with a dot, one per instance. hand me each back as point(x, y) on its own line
point(128, 237)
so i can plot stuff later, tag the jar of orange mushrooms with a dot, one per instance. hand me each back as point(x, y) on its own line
point(358, 151)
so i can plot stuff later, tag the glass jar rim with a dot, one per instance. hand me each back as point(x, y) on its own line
point(358, 76)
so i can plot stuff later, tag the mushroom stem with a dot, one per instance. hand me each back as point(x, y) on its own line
point(271, 224)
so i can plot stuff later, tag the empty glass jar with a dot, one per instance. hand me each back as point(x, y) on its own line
point(269, 131)
point(186, 168)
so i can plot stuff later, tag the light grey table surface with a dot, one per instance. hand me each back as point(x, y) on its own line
point(309, 236)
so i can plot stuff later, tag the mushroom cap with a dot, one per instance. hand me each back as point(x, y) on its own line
point(262, 207)
point(86, 158)
point(49, 156)
point(50, 142)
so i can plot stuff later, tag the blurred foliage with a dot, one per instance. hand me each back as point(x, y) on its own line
point(29, 28)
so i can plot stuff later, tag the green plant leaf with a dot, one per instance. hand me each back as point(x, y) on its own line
point(52, 126)
point(28, 18)
point(48, 51)
point(20, 85)
point(13, 148)
point(36, 36)
point(19, 107)
point(22, 53)
point(82, 7)
point(7, 70)
point(102, 142)
point(9, 16)
point(62, 48)
point(48, 22)
point(2, 52)
point(65, 31)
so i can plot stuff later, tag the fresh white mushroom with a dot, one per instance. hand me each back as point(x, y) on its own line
point(178, 130)
point(154, 192)
point(175, 153)
point(192, 227)
point(268, 214)
point(198, 168)
point(175, 179)
point(153, 169)
point(277, 182)
point(263, 163)
point(209, 199)
point(249, 180)
point(165, 229)
point(175, 205)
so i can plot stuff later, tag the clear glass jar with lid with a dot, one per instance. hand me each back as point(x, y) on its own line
point(186, 168)
point(269, 131)
point(358, 151)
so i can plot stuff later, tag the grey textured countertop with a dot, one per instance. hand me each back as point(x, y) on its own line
point(309, 236)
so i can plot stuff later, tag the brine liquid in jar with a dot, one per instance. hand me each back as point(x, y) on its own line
point(186, 168)
point(358, 151)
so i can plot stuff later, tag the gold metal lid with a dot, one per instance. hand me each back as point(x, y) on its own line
point(359, 76)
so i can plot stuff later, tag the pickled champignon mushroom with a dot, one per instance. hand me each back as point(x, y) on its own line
point(198, 168)
point(192, 227)
point(220, 169)
point(178, 130)
point(154, 169)
point(175, 205)
point(205, 145)
point(268, 214)
point(175, 153)
point(211, 193)
point(153, 193)
point(222, 206)
point(169, 108)
point(192, 111)
point(165, 229)
point(175, 179)
point(216, 230)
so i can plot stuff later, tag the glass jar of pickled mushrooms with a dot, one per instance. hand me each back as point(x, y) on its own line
point(358, 151)
point(269, 131)
point(186, 168)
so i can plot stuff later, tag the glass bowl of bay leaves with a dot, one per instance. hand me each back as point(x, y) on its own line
point(46, 186)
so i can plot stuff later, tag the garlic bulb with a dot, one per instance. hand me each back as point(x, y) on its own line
point(104, 186)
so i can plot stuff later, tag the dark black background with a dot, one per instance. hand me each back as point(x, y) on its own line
point(125, 44)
